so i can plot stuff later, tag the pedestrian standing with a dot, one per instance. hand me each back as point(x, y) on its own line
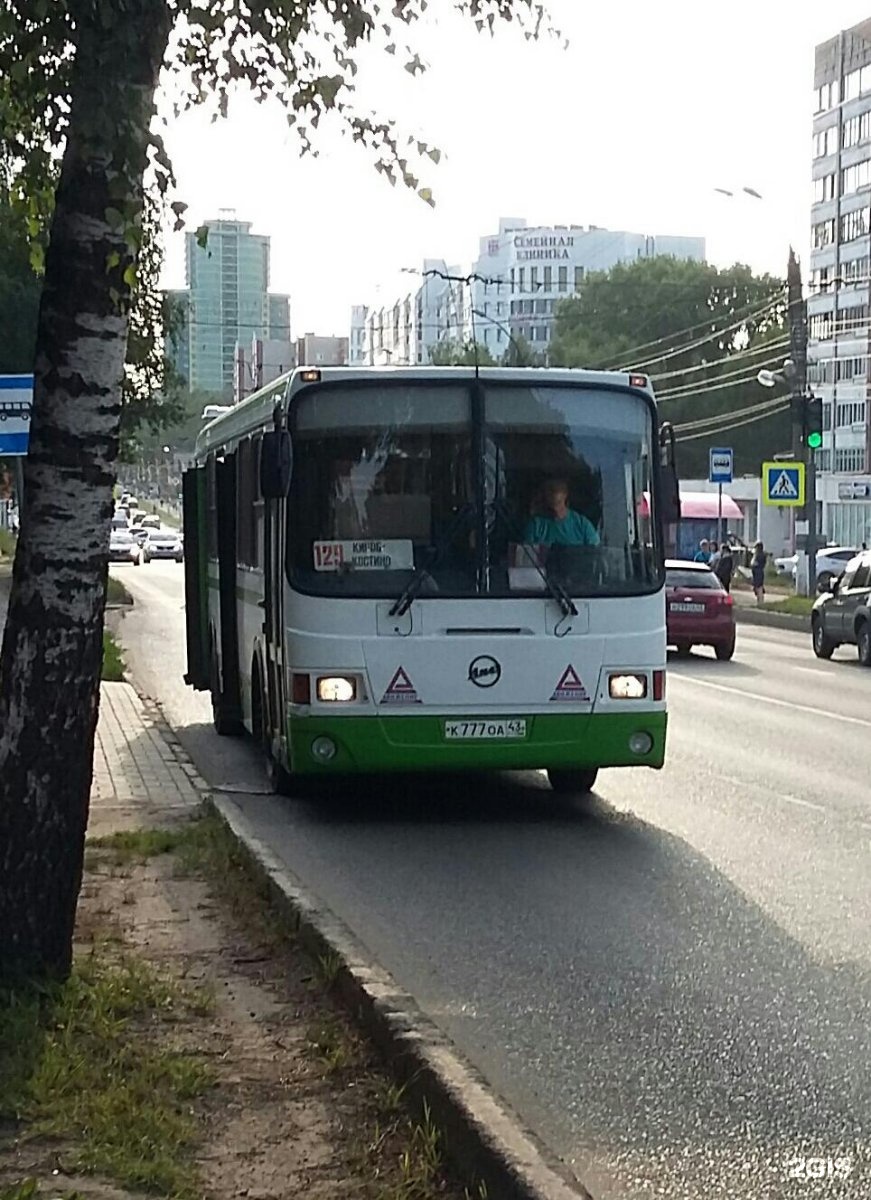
point(757, 572)
point(703, 554)
point(725, 566)
point(714, 555)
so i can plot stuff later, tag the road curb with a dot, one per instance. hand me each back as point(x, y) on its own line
point(483, 1140)
point(757, 616)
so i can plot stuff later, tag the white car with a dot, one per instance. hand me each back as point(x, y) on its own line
point(123, 547)
point(831, 561)
point(163, 543)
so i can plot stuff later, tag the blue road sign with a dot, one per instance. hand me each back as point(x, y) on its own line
point(783, 484)
point(16, 401)
point(720, 464)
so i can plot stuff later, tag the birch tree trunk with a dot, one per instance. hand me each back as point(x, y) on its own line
point(52, 647)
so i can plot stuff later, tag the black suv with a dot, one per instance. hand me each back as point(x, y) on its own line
point(843, 612)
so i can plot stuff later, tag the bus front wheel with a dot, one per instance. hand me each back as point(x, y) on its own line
point(570, 782)
point(280, 779)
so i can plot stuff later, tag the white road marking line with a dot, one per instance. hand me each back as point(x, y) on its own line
point(802, 803)
point(805, 708)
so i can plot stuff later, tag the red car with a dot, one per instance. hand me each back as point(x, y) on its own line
point(698, 609)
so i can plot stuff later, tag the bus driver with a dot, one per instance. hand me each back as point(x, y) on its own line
point(559, 525)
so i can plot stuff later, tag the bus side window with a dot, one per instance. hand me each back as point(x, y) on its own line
point(259, 508)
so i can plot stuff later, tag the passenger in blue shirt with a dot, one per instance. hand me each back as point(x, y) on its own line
point(561, 526)
point(703, 554)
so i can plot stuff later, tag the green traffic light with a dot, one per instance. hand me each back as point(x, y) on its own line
point(814, 440)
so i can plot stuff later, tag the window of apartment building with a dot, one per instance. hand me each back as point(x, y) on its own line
point(855, 270)
point(579, 278)
point(541, 306)
point(820, 279)
point(500, 308)
point(521, 279)
point(548, 279)
point(827, 416)
point(512, 279)
point(533, 279)
point(824, 460)
point(853, 225)
point(852, 179)
point(852, 84)
point(563, 279)
point(852, 318)
point(850, 368)
point(850, 412)
point(856, 130)
point(822, 326)
point(852, 460)
point(824, 233)
point(824, 187)
point(826, 142)
point(827, 96)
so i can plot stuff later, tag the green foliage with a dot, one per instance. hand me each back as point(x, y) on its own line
point(78, 1062)
point(450, 353)
point(19, 290)
point(691, 327)
point(113, 663)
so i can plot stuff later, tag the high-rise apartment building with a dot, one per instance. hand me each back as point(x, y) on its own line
point(226, 302)
point(839, 303)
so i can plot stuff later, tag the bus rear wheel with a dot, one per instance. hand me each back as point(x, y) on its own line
point(572, 782)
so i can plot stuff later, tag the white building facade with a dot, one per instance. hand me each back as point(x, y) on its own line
point(839, 304)
point(523, 273)
point(536, 267)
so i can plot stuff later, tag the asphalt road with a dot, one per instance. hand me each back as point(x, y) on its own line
point(672, 986)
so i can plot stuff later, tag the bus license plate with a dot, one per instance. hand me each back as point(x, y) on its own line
point(493, 730)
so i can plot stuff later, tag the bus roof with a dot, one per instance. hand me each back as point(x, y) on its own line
point(255, 411)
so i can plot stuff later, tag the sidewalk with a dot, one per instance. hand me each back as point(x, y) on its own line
point(142, 778)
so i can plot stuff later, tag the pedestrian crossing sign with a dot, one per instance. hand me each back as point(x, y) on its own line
point(783, 484)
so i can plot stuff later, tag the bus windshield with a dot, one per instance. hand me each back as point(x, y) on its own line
point(486, 489)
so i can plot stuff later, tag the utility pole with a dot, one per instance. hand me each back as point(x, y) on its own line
point(803, 451)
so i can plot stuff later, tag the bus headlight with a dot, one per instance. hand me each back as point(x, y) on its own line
point(339, 688)
point(627, 687)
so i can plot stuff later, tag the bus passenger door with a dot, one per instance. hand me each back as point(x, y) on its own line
point(273, 624)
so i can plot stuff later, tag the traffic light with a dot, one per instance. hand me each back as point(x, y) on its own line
point(813, 423)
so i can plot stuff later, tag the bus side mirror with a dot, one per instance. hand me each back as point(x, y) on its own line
point(669, 495)
point(276, 464)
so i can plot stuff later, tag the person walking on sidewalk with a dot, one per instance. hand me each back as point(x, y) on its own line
point(757, 572)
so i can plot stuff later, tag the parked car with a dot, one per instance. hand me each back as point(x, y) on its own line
point(163, 543)
point(123, 547)
point(698, 609)
point(842, 614)
point(831, 561)
point(150, 522)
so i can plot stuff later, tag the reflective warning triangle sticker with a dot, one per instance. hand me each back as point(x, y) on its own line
point(571, 688)
point(400, 689)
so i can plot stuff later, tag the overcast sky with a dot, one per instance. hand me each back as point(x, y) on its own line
point(633, 126)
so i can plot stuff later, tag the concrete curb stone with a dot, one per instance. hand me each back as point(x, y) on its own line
point(483, 1139)
point(774, 620)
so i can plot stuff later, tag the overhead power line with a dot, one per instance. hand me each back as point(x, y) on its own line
point(694, 345)
point(774, 412)
point(764, 348)
point(719, 418)
point(745, 374)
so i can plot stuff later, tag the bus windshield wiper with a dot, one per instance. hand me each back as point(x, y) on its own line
point(556, 589)
point(421, 574)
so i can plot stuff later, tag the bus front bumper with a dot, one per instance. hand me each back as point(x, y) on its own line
point(336, 744)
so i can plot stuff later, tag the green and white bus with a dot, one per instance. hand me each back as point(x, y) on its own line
point(433, 568)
